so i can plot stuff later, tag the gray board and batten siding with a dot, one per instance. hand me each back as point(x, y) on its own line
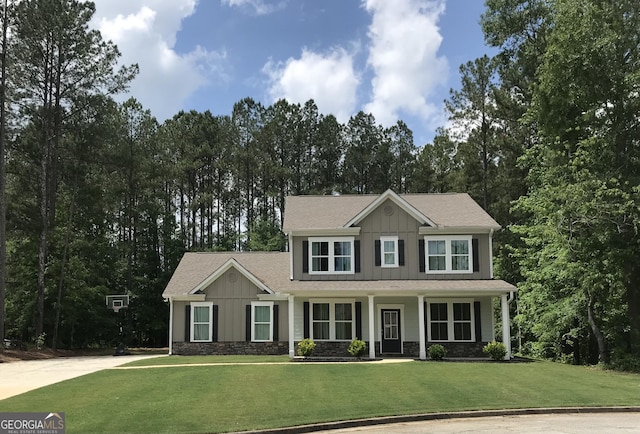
point(391, 220)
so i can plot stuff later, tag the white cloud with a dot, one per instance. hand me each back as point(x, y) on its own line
point(145, 33)
point(403, 55)
point(329, 79)
point(261, 7)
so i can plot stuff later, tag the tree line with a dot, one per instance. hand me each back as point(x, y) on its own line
point(98, 197)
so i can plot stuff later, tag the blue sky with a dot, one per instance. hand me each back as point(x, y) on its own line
point(394, 58)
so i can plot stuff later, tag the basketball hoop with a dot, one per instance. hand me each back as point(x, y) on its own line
point(117, 302)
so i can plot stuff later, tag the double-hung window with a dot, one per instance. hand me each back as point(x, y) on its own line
point(201, 321)
point(332, 320)
point(321, 321)
point(261, 321)
point(331, 255)
point(450, 321)
point(389, 251)
point(449, 254)
point(438, 322)
point(462, 321)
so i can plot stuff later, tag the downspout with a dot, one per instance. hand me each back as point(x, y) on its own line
point(491, 254)
point(170, 326)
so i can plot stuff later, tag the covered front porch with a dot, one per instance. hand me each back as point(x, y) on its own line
point(397, 324)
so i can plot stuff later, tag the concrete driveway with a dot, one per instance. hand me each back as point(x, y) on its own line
point(23, 376)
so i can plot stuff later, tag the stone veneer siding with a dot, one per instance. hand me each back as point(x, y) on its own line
point(461, 349)
point(231, 348)
point(323, 349)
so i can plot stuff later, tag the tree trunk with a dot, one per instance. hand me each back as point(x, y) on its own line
point(65, 253)
point(633, 314)
point(603, 350)
point(42, 248)
point(3, 173)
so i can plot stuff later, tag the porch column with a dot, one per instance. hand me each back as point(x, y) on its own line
point(292, 349)
point(421, 331)
point(506, 333)
point(372, 330)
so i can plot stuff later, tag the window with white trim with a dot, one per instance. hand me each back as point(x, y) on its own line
point(461, 321)
point(450, 321)
point(332, 320)
point(389, 251)
point(448, 254)
point(261, 321)
point(201, 321)
point(331, 255)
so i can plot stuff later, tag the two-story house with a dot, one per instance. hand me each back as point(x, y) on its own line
point(400, 272)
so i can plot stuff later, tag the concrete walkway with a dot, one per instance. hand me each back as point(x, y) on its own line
point(23, 376)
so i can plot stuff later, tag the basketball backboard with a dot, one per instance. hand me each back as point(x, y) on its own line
point(117, 302)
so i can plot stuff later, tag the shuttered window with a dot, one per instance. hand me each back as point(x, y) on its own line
point(201, 321)
point(332, 320)
point(261, 321)
point(331, 256)
point(450, 321)
point(449, 254)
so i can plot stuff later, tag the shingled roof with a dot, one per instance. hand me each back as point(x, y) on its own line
point(446, 210)
point(272, 269)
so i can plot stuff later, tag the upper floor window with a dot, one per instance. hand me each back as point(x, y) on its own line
point(331, 255)
point(389, 251)
point(449, 254)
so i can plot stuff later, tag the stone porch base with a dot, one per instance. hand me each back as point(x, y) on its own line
point(323, 349)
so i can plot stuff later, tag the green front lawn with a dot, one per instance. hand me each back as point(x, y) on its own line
point(245, 397)
point(199, 360)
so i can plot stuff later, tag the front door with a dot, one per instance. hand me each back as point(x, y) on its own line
point(391, 334)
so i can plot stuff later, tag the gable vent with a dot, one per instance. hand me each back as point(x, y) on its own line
point(389, 210)
point(233, 277)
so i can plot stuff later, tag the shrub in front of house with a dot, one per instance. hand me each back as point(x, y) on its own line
point(495, 350)
point(357, 348)
point(306, 347)
point(437, 352)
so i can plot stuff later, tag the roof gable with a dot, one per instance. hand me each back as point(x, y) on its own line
point(196, 270)
point(340, 213)
point(231, 263)
point(399, 201)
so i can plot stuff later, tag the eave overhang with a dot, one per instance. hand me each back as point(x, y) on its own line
point(400, 293)
point(457, 230)
point(192, 297)
point(327, 232)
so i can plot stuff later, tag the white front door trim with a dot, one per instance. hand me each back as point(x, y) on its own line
point(378, 333)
